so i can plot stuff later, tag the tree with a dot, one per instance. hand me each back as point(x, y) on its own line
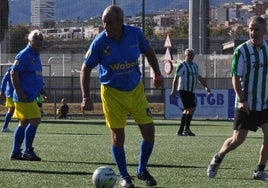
point(149, 28)
point(4, 11)
point(220, 31)
point(180, 31)
point(18, 38)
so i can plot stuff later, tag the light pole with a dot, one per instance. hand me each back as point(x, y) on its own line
point(143, 58)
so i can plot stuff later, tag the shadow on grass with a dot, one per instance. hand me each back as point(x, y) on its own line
point(86, 173)
point(234, 178)
point(81, 134)
point(43, 172)
point(222, 136)
point(77, 122)
point(135, 165)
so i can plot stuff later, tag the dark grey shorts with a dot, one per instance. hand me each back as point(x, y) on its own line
point(251, 121)
point(187, 99)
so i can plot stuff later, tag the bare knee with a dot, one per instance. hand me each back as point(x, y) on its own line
point(239, 136)
point(118, 137)
point(238, 142)
point(148, 132)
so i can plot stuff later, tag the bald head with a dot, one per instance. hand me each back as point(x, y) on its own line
point(112, 19)
point(116, 11)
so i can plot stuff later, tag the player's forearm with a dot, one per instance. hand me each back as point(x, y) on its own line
point(174, 86)
point(152, 60)
point(85, 81)
point(238, 88)
point(15, 82)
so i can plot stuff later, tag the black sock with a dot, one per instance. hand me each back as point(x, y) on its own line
point(260, 167)
point(188, 121)
point(218, 158)
point(183, 119)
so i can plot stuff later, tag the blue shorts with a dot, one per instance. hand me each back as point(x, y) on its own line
point(117, 105)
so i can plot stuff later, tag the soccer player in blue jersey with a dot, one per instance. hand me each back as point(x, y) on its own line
point(27, 79)
point(116, 51)
point(7, 92)
point(185, 80)
point(250, 83)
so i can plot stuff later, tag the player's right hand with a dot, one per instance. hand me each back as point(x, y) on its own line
point(87, 104)
point(173, 93)
point(158, 81)
point(2, 95)
point(243, 106)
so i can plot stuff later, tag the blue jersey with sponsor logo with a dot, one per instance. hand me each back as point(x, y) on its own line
point(28, 64)
point(118, 60)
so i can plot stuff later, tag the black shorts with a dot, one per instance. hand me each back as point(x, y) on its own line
point(250, 122)
point(187, 99)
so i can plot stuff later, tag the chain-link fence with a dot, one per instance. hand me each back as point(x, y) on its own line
point(61, 72)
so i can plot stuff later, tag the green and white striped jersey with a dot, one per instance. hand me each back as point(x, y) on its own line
point(188, 74)
point(251, 63)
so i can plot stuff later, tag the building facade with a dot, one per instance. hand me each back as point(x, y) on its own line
point(43, 13)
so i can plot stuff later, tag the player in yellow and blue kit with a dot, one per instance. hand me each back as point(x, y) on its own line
point(27, 79)
point(116, 51)
point(7, 92)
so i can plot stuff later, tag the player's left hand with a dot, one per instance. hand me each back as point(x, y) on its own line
point(208, 90)
point(45, 98)
point(158, 81)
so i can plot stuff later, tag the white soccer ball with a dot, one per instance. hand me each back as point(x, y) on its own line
point(104, 177)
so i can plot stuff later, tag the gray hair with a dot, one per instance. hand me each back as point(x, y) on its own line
point(188, 50)
point(258, 19)
point(33, 33)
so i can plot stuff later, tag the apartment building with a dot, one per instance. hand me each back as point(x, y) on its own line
point(43, 13)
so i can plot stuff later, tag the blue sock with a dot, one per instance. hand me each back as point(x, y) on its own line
point(30, 132)
point(18, 139)
point(120, 160)
point(8, 117)
point(146, 149)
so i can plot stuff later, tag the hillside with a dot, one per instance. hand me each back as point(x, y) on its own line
point(20, 11)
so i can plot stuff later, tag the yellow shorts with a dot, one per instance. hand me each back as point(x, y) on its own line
point(9, 102)
point(26, 110)
point(117, 105)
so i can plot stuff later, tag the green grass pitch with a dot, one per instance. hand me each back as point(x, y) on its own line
point(71, 150)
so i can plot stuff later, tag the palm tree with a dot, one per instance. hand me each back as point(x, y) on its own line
point(4, 10)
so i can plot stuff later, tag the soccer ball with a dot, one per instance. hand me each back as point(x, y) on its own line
point(104, 177)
